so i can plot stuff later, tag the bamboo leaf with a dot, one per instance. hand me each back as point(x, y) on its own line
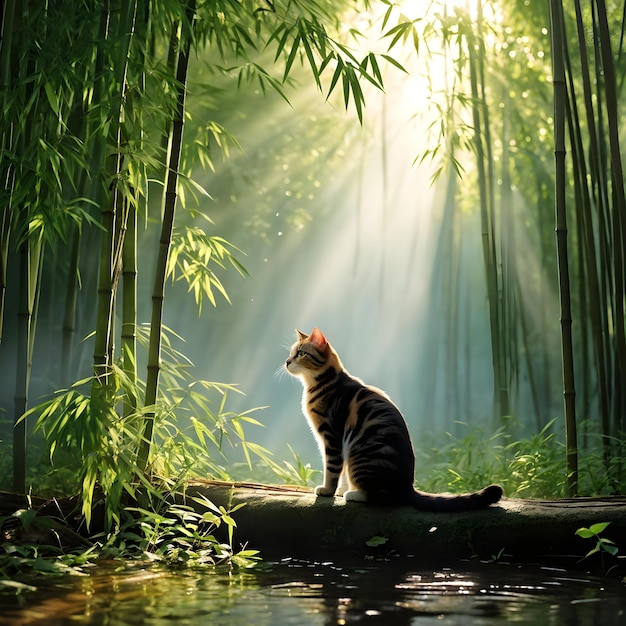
point(291, 57)
point(336, 76)
point(345, 80)
point(357, 94)
point(283, 40)
point(399, 31)
point(394, 62)
point(376, 69)
point(386, 17)
point(245, 36)
point(309, 53)
point(53, 98)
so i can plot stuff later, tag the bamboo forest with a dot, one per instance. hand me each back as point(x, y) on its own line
point(437, 185)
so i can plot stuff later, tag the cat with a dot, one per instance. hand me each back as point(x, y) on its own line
point(363, 437)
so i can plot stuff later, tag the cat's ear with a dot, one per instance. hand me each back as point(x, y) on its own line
point(301, 336)
point(317, 338)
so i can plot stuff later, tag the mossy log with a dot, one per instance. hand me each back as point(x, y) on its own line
point(292, 522)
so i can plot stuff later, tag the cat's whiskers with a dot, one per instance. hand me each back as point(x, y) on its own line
point(280, 372)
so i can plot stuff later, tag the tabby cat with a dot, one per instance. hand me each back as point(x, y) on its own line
point(367, 450)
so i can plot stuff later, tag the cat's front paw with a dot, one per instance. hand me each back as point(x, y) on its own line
point(324, 491)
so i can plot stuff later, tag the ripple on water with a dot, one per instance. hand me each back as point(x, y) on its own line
point(311, 593)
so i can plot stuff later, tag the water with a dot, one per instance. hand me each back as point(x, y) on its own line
point(306, 593)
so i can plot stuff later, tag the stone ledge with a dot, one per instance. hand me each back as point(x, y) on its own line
point(292, 522)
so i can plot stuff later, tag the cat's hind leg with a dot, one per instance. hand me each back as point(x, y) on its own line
point(355, 495)
point(350, 491)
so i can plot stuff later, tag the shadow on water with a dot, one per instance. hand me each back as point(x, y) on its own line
point(324, 593)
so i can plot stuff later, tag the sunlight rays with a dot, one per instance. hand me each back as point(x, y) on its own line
point(344, 230)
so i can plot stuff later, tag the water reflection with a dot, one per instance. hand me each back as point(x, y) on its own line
point(325, 593)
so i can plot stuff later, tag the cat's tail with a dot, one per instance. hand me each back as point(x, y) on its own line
point(456, 504)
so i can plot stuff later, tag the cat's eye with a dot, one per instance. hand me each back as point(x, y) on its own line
point(300, 353)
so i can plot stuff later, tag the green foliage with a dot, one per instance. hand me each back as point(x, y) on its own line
point(600, 473)
point(292, 472)
point(192, 255)
point(536, 464)
point(376, 541)
point(178, 535)
point(25, 554)
point(602, 543)
point(88, 97)
point(192, 425)
point(171, 534)
point(88, 107)
point(532, 467)
point(605, 547)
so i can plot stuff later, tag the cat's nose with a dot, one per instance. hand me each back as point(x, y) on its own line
point(287, 362)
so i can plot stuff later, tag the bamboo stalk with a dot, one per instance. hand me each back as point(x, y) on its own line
point(25, 301)
point(129, 309)
point(509, 359)
point(603, 203)
point(71, 300)
point(599, 330)
point(582, 273)
point(446, 273)
point(104, 307)
point(597, 277)
point(113, 227)
point(504, 336)
point(82, 131)
point(569, 394)
point(34, 282)
point(532, 377)
point(5, 235)
point(129, 251)
point(487, 234)
point(6, 170)
point(546, 257)
point(22, 379)
point(618, 221)
point(31, 260)
point(167, 226)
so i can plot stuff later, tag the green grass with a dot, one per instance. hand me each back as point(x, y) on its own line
point(526, 467)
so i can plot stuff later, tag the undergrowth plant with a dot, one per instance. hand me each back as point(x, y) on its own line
point(171, 533)
point(192, 427)
point(603, 545)
point(527, 467)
